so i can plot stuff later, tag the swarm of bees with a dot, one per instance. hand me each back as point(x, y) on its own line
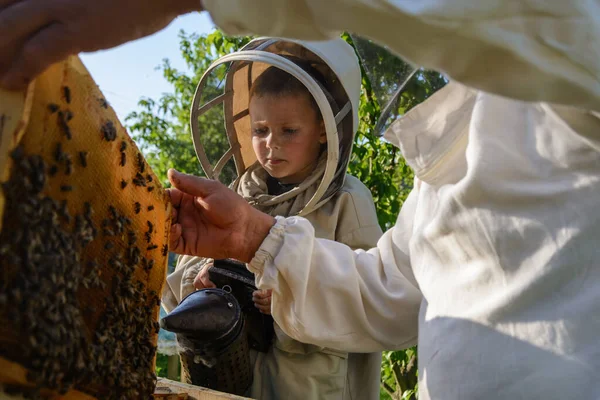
point(80, 275)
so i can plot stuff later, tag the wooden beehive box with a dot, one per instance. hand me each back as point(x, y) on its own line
point(172, 390)
point(83, 244)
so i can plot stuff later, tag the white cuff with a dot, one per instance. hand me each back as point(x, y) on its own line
point(269, 247)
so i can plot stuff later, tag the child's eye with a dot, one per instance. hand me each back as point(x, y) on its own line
point(259, 131)
point(290, 131)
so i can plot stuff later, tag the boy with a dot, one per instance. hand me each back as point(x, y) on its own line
point(288, 135)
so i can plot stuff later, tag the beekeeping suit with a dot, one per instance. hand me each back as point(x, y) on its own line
point(493, 265)
point(338, 206)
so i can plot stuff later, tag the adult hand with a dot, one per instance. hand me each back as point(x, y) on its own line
point(211, 220)
point(37, 33)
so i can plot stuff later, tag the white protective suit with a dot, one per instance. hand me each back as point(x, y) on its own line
point(494, 263)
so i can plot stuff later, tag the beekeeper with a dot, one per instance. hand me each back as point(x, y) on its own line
point(494, 260)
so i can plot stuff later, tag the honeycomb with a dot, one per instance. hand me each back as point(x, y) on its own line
point(83, 245)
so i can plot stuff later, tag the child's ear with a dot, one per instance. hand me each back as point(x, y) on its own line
point(323, 133)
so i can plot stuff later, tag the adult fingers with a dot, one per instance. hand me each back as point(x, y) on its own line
point(176, 196)
point(176, 243)
point(191, 184)
point(174, 215)
point(44, 48)
point(6, 3)
point(23, 18)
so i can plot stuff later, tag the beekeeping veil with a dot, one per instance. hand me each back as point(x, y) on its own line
point(389, 76)
point(228, 81)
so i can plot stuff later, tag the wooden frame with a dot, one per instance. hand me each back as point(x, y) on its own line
point(173, 390)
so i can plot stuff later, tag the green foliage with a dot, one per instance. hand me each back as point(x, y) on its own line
point(161, 365)
point(377, 163)
point(161, 128)
point(399, 374)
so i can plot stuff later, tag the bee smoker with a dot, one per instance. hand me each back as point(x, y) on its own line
point(217, 327)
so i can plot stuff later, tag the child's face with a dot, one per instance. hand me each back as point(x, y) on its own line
point(286, 136)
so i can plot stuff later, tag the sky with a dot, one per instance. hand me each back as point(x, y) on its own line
point(128, 72)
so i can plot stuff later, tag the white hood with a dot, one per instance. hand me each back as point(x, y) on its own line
point(338, 102)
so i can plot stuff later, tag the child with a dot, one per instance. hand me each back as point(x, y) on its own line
point(289, 140)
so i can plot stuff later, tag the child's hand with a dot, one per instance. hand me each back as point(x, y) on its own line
point(262, 300)
point(202, 280)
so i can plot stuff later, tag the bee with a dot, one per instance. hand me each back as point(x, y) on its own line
point(87, 207)
point(150, 188)
point(62, 122)
point(67, 94)
point(123, 161)
point(133, 255)
point(52, 170)
point(149, 265)
point(137, 207)
point(68, 166)
point(141, 164)
point(53, 108)
point(123, 183)
point(165, 250)
point(150, 208)
point(109, 131)
point(139, 180)
point(58, 153)
point(108, 232)
point(131, 237)
point(64, 212)
point(83, 158)
point(113, 212)
point(66, 188)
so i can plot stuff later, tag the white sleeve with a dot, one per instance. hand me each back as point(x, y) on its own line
point(535, 51)
point(328, 295)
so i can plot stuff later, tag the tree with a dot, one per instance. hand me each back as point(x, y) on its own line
point(161, 128)
point(377, 163)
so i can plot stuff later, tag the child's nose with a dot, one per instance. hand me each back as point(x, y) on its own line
point(272, 142)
